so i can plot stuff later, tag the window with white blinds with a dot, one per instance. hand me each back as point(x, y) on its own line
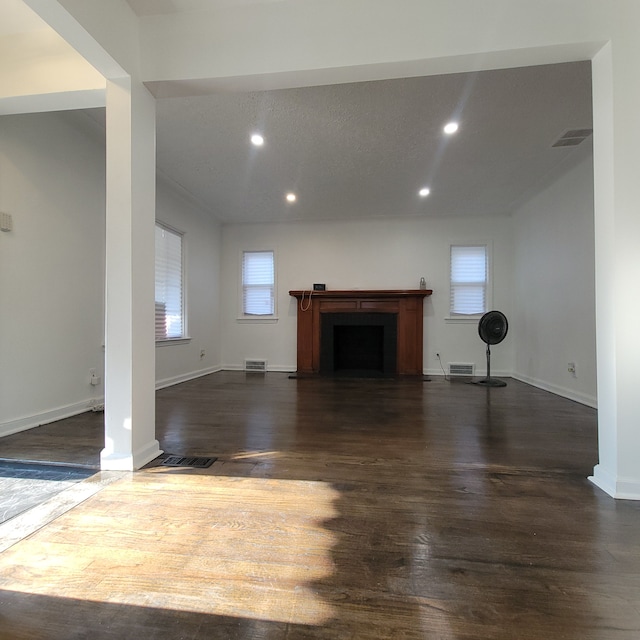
point(169, 284)
point(469, 275)
point(258, 283)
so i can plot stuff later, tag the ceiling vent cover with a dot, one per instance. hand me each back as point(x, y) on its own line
point(256, 366)
point(572, 138)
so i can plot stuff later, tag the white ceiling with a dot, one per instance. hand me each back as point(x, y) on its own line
point(356, 151)
point(363, 150)
point(159, 7)
point(16, 17)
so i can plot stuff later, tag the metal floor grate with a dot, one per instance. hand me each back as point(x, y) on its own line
point(187, 461)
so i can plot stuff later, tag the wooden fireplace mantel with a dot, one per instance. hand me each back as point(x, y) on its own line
point(406, 303)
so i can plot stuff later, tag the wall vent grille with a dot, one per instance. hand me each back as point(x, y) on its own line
point(572, 138)
point(256, 366)
point(461, 369)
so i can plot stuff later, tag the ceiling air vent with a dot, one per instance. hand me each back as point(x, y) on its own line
point(461, 369)
point(256, 366)
point(572, 137)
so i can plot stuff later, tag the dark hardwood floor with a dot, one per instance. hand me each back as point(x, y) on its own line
point(337, 509)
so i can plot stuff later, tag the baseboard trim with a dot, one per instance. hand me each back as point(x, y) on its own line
point(38, 419)
point(169, 382)
point(275, 368)
point(67, 411)
point(113, 461)
point(478, 374)
point(570, 394)
point(620, 489)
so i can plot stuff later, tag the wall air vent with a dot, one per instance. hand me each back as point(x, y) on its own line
point(572, 137)
point(461, 369)
point(255, 366)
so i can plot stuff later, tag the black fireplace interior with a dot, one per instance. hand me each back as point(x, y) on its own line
point(358, 344)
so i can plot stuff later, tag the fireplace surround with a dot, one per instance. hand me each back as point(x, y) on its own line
point(361, 308)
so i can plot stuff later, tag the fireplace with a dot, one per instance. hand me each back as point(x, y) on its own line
point(358, 344)
point(364, 320)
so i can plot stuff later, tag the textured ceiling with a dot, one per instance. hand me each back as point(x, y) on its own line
point(158, 7)
point(355, 151)
point(363, 150)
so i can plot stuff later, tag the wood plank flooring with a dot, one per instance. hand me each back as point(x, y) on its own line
point(339, 509)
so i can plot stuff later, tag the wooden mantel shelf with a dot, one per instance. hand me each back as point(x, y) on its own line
point(406, 303)
point(364, 293)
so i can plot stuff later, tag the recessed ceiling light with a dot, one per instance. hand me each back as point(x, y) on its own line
point(451, 127)
point(291, 197)
point(257, 140)
point(424, 192)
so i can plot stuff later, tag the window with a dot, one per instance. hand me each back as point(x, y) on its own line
point(169, 287)
point(469, 274)
point(258, 283)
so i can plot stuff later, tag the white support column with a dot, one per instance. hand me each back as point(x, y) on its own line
point(130, 280)
point(616, 99)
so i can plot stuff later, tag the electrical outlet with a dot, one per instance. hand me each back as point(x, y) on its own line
point(571, 368)
point(201, 353)
point(438, 355)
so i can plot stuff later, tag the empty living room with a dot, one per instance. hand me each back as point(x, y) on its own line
point(315, 319)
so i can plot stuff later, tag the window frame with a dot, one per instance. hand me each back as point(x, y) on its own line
point(472, 318)
point(244, 317)
point(184, 337)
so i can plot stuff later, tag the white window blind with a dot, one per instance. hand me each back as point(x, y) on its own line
point(468, 280)
point(169, 287)
point(258, 283)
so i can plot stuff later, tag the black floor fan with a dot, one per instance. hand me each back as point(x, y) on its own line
point(492, 328)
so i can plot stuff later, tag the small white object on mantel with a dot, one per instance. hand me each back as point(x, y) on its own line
point(6, 222)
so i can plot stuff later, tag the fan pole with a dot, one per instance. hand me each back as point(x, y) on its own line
point(488, 362)
point(489, 381)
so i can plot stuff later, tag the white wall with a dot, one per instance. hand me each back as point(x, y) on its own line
point(52, 181)
point(52, 278)
point(554, 285)
point(176, 362)
point(51, 268)
point(374, 254)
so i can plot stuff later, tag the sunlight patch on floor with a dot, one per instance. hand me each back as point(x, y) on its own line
point(242, 547)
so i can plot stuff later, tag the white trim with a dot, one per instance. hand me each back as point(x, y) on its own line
point(130, 462)
point(437, 373)
point(570, 394)
point(183, 278)
point(241, 315)
point(169, 382)
point(167, 341)
point(67, 411)
point(278, 368)
point(38, 419)
point(488, 244)
point(620, 489)
point(463, 319)
point(257, 319)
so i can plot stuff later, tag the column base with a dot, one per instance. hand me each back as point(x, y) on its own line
point(120, 461)
point(620, 489)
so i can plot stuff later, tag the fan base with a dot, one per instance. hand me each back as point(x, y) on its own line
point(490, 382)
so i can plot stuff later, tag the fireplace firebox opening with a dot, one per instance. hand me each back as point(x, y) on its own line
point(358, 344)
